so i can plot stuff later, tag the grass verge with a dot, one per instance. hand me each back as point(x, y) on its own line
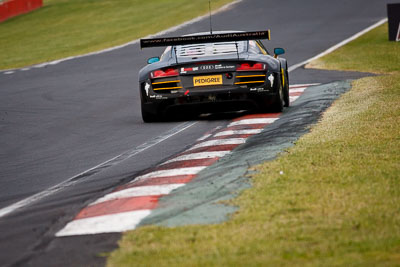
point(370, 53)
point(337, 202)
point(63, 28)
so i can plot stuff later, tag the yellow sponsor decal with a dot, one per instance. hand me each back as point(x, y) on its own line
point(207, 80)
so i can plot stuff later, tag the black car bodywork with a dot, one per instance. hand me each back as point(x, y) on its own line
point(211, 77)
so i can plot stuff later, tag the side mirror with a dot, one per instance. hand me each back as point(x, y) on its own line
point(279, 51)
point(153, 60)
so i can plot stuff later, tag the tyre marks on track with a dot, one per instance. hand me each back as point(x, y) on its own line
point(125, 207)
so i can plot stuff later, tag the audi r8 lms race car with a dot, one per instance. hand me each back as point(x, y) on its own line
point(207, 73)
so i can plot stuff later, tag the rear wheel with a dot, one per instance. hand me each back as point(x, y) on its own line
point(279, 102)
point(149, 117)
point(286, 88)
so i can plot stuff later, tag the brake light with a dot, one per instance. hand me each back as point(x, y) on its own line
point(251, 66)
point(164, 73)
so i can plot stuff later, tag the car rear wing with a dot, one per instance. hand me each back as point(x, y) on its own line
point(209, 38)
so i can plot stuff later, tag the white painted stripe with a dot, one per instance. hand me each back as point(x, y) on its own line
point(220, 142)
point(233, 132)
point(303, 85)
point(293, 98)
point(297, 90)
point(94, 170)
point(342, 43)
point(9, 72)
point(253, 121)
point(172, 172)
point(172, 29)
point(200, 155)
point(112, 223)
point(153, 190)
point(38, 66)
point(204, 137)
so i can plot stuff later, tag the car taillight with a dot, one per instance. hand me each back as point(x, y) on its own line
point(251, 66)
point(164, 73)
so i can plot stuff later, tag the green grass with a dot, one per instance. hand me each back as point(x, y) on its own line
point(369, 53)
point(63, 28)
point(337, 202)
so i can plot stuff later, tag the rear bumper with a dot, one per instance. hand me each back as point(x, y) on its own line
point(209, 99)
point(210, 103)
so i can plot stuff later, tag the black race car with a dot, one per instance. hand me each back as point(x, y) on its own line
point(207, 73)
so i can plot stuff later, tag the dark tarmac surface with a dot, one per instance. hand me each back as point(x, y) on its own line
point(58, 121)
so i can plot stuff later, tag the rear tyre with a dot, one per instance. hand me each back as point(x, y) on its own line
point(279, 102)
point(149, 117)
point(286, 89)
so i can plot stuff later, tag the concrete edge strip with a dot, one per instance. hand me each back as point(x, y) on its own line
point(101, 222)
point(335, 47)
point(172, 29)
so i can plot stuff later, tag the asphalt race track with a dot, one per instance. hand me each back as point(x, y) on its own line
point(62, 120)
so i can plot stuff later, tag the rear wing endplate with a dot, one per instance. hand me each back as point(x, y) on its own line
point(209, 38)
